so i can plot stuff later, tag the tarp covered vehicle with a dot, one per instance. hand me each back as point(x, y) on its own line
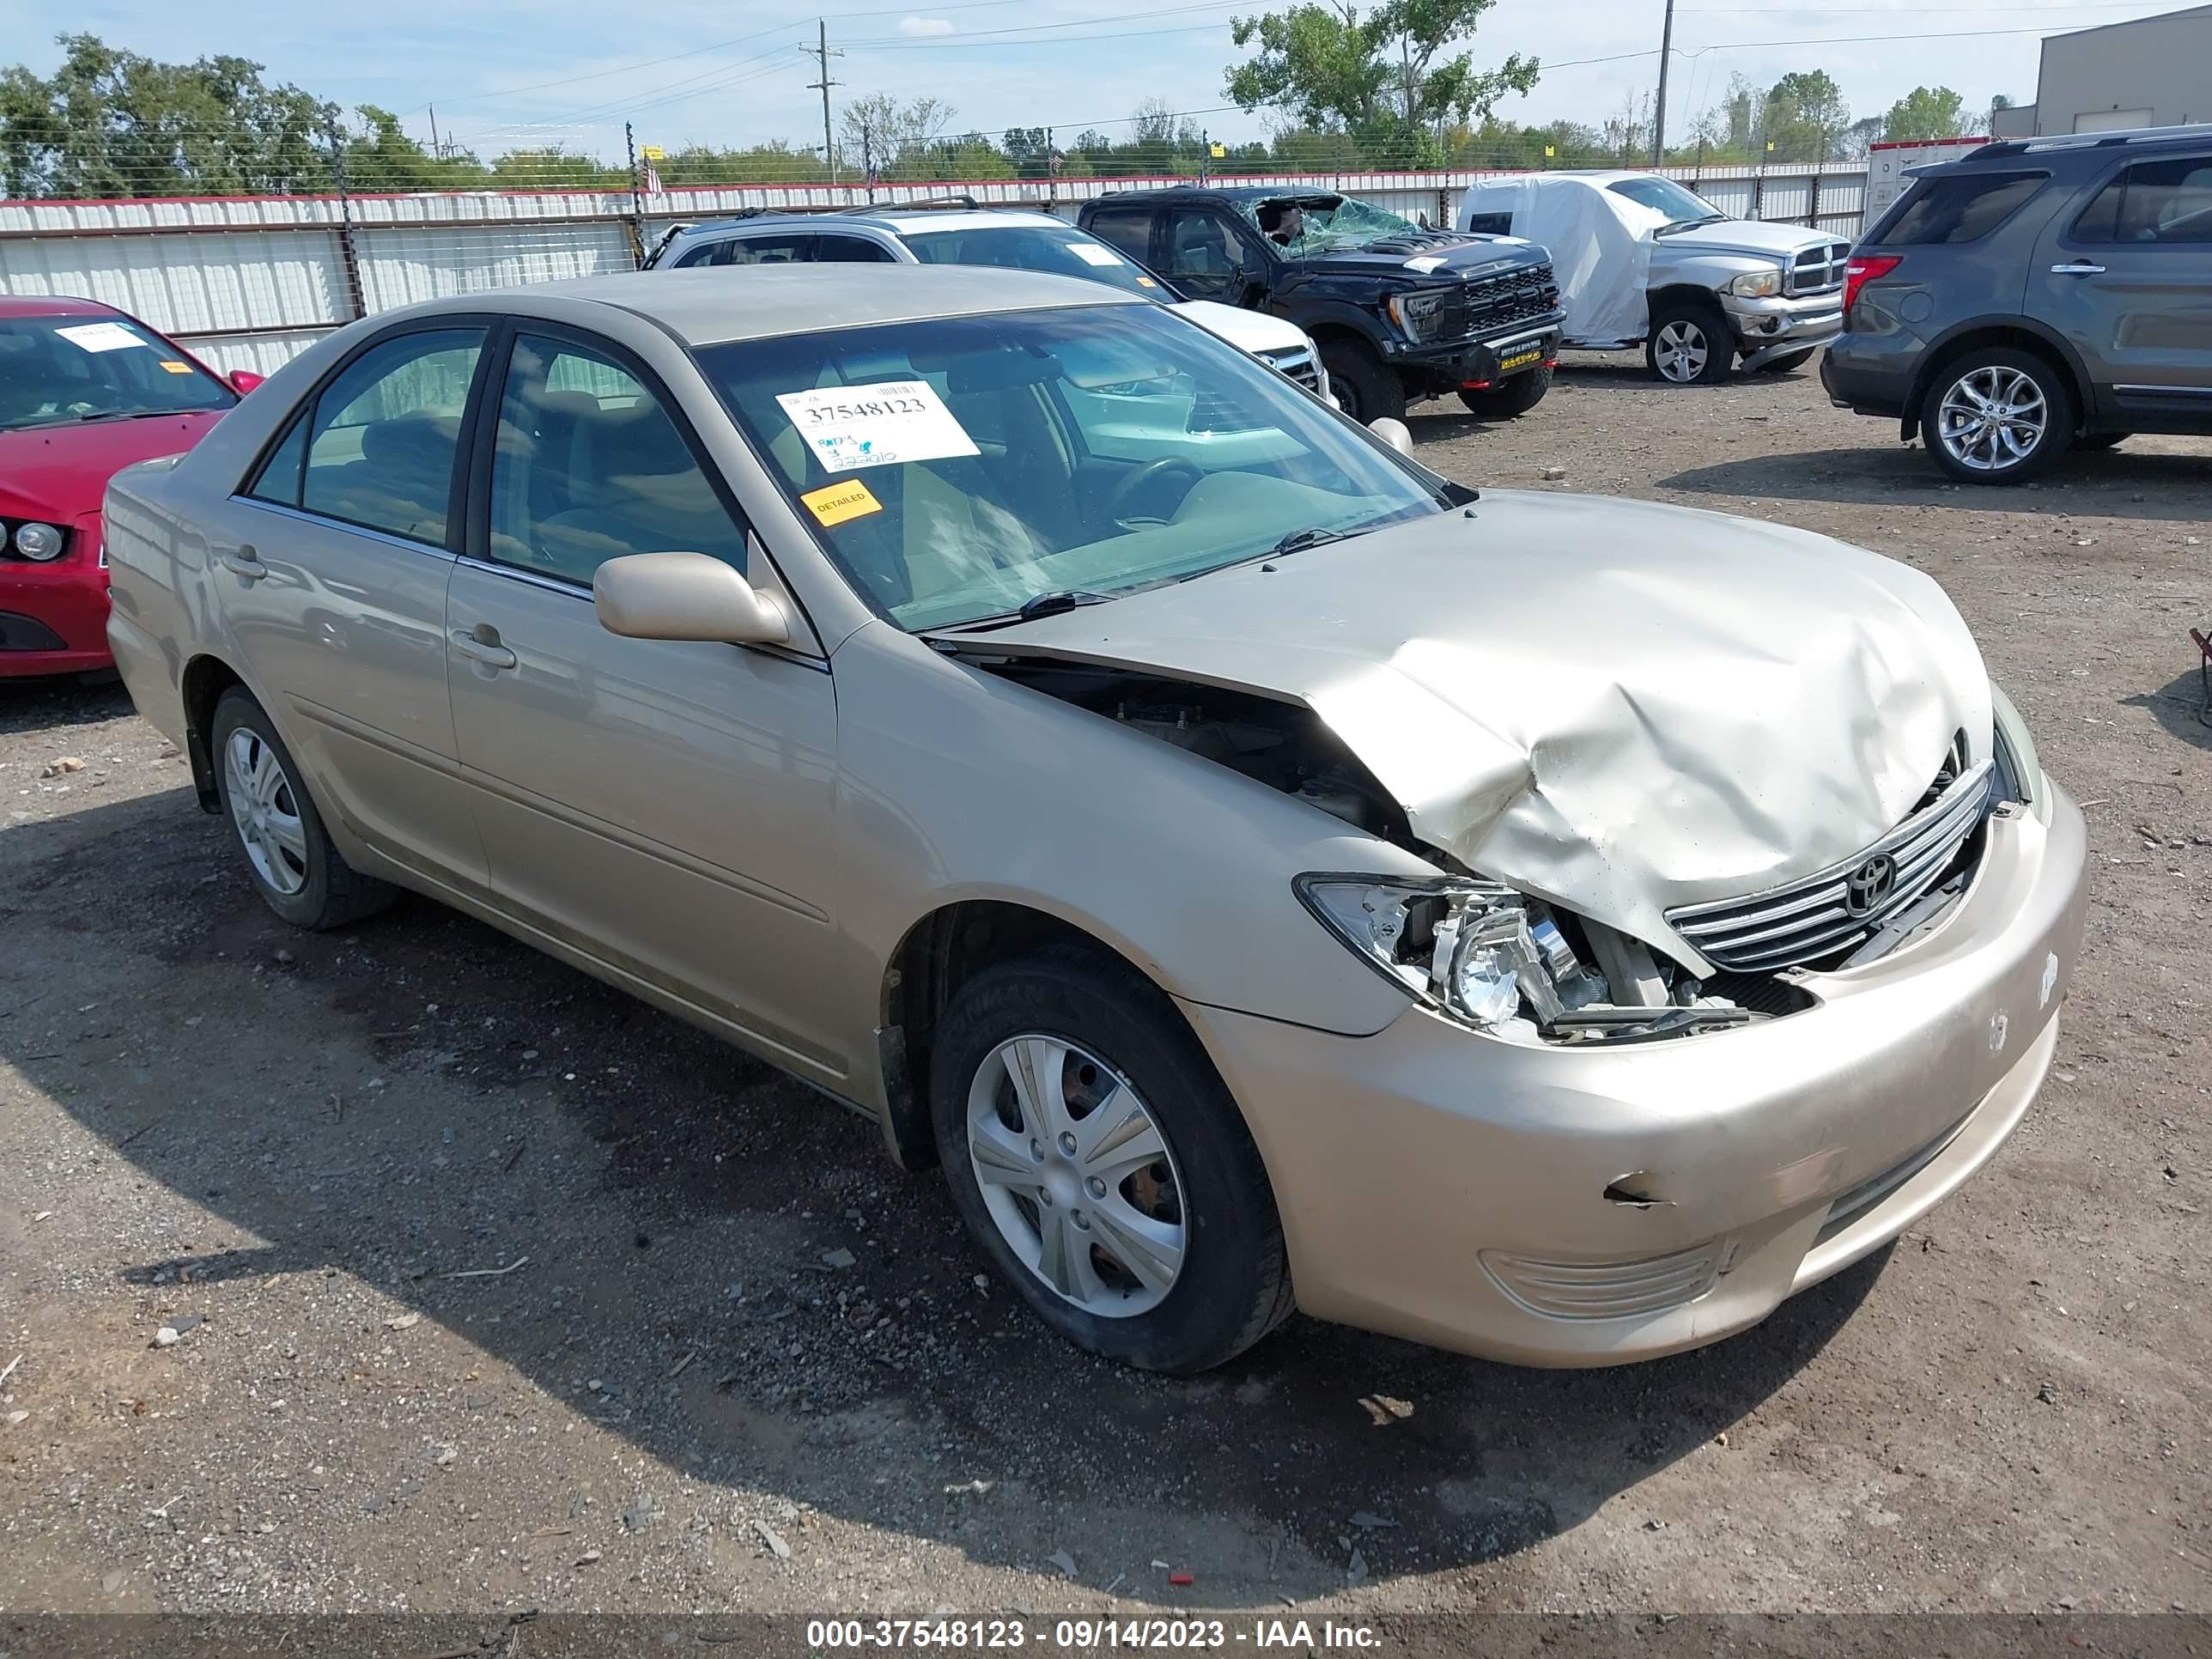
point(1642, 260)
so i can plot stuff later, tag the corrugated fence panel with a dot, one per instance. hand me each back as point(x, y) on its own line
point(189, 284)
point(251, 282)
point(400, 266)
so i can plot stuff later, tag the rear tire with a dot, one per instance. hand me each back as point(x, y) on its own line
point(1690, 345)
point(289, 854)
point(1515, 398)
point(1996, 415)
point(1087, 1035)
point(1366, 388)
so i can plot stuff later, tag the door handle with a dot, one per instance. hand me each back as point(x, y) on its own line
point(2078, 267)
point(244, 562)
point(481, 644)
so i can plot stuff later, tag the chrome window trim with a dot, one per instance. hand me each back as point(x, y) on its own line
point(285, 510)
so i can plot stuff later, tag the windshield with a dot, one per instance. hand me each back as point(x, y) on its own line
point(958, 468)
point(1664, 195)
point(1067, 253)
point(1307, 225)
point(55, 371)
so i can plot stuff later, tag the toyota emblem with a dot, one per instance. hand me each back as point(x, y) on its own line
point(1871, 884)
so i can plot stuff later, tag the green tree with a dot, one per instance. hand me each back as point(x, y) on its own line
point(109, 123)
point(1384, 77)
point(1926, 113)
point(1804, 117)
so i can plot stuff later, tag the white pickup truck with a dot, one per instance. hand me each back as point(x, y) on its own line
point(1643, 260)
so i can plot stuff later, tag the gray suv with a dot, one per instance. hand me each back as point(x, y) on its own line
point(2039, 294)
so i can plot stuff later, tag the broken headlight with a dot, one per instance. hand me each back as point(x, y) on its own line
point(1472, 949)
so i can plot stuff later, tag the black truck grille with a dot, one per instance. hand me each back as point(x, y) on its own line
point(1490, 303)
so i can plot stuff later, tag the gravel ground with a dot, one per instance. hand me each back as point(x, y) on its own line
point(716, 1353)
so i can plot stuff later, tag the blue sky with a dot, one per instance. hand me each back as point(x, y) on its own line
point(735, 75)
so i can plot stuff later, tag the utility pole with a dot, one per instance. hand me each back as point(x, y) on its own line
point(823, 53)
point(1659, 113)
point(636, 202)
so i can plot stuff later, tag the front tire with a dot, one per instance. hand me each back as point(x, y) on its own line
point(1515, 398)
point(1690, 345)
point(1997, 417)
point(1367, 389)
point(295, 868)
point(1102, 1166)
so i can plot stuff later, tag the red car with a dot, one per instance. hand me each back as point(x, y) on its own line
point(84, 390)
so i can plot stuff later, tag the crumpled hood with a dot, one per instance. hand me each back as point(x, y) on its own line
point(1618, 705)
point(58, 473)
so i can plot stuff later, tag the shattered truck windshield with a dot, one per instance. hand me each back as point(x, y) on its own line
point(1303, 226)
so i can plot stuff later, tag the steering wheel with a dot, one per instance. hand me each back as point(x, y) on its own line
point(1132, 488)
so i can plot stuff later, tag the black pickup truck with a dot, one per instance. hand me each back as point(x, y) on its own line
point(1399, 312)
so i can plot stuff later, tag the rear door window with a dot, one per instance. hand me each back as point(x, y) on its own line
point(386, 431)
point(790, 248)
point(850, 251)
point(2168, 202)
point(1128, 229)
point(1962, 208)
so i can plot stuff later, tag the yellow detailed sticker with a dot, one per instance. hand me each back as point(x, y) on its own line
point(833, 504)
point(1520, 360)
point(175, 368)
point(1147, 282)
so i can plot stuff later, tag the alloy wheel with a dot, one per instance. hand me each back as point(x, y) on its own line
point(1076, 1175)
point(1993, 418)
point(1681, 351)
point(265, 808)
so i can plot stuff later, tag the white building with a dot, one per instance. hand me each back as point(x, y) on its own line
point(2148, 72)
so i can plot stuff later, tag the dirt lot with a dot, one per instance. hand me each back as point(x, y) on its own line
point(299, 1141)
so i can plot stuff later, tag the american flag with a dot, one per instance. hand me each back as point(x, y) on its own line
point(651, 179)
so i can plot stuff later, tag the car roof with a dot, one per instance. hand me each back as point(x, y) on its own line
point(2096, 147)
point(711, 305)
point(52, 305)
point(884, 218)
point(1219, 193)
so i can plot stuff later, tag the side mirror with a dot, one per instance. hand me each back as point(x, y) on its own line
point(685, 596)
point(1393, 433)
point(243, 380)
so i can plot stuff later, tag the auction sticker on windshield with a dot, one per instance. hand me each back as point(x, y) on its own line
point(99, 337)
point(848, 427)
point(1091, 254)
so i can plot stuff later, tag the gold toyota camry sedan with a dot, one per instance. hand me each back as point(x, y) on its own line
point(1262, 873)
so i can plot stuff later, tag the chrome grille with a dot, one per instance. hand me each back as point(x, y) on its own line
point(1298, 362)
point(1816, 917)
point(1819, 269)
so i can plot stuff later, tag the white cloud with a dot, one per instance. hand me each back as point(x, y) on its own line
point(925, 26)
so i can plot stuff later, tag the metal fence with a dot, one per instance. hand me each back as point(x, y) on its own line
point(250, 282)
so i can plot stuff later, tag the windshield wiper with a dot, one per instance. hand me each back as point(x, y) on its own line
point(127, 415)
point(1050, 603)
point(1690, 224)
point(1313, 535)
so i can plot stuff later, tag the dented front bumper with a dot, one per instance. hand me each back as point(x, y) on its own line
point(1585, 1206)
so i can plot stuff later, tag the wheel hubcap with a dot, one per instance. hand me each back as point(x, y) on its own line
point(1681, 351)
point(265, 809)
point(1076, 1176)
point(1992, 418)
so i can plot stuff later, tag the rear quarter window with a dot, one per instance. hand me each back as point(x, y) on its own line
point(1961, 208)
